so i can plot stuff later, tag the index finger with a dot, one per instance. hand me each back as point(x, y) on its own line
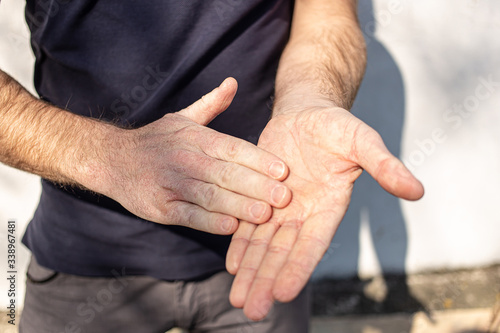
point(238, 246)
point(228, 148)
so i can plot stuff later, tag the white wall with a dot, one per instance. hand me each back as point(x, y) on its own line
point(425, 57)
point(428, 59)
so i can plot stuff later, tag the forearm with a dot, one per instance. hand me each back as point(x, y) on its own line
point(45, 140)
point(325, 58)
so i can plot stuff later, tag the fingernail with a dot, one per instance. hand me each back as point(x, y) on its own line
point(227, 225)
point(277, 169)
point(258, 210)
point(278, 194)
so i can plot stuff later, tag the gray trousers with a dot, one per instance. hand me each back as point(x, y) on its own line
point(63, 303)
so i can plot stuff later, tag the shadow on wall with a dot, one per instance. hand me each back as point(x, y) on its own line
point(381, 104)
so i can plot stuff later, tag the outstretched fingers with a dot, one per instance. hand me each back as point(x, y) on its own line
point(279, 263)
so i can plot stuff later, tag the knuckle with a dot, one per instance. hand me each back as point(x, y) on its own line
point(210, 195)
point(226, 174)
point(171, 196)
point(232, 149)
point(159, 205)
point(179, 214)
point(191, 219)
point(172, 213)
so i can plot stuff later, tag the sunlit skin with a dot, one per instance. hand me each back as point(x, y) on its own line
point(326, 150)
point(178, 171)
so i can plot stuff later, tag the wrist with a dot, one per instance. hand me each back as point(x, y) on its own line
point(93, 155)
point(301, 98)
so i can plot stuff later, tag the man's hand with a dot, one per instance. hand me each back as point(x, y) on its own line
point(177, 171)
point(326, 150)
point(172, 171)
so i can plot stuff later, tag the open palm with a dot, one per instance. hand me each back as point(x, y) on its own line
point(326, 150)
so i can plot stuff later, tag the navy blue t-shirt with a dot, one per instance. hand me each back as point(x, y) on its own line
point(131, 62)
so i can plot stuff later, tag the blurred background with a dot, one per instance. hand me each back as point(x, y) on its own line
point(432, 90)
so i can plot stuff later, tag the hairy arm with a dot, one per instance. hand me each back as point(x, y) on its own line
point(325, 58)
point(45, 140)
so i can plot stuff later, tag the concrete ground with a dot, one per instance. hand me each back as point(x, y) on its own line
point(447, 321)
point(466, 301)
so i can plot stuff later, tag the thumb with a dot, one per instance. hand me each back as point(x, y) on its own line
point(212, 104)
point(385, 168)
